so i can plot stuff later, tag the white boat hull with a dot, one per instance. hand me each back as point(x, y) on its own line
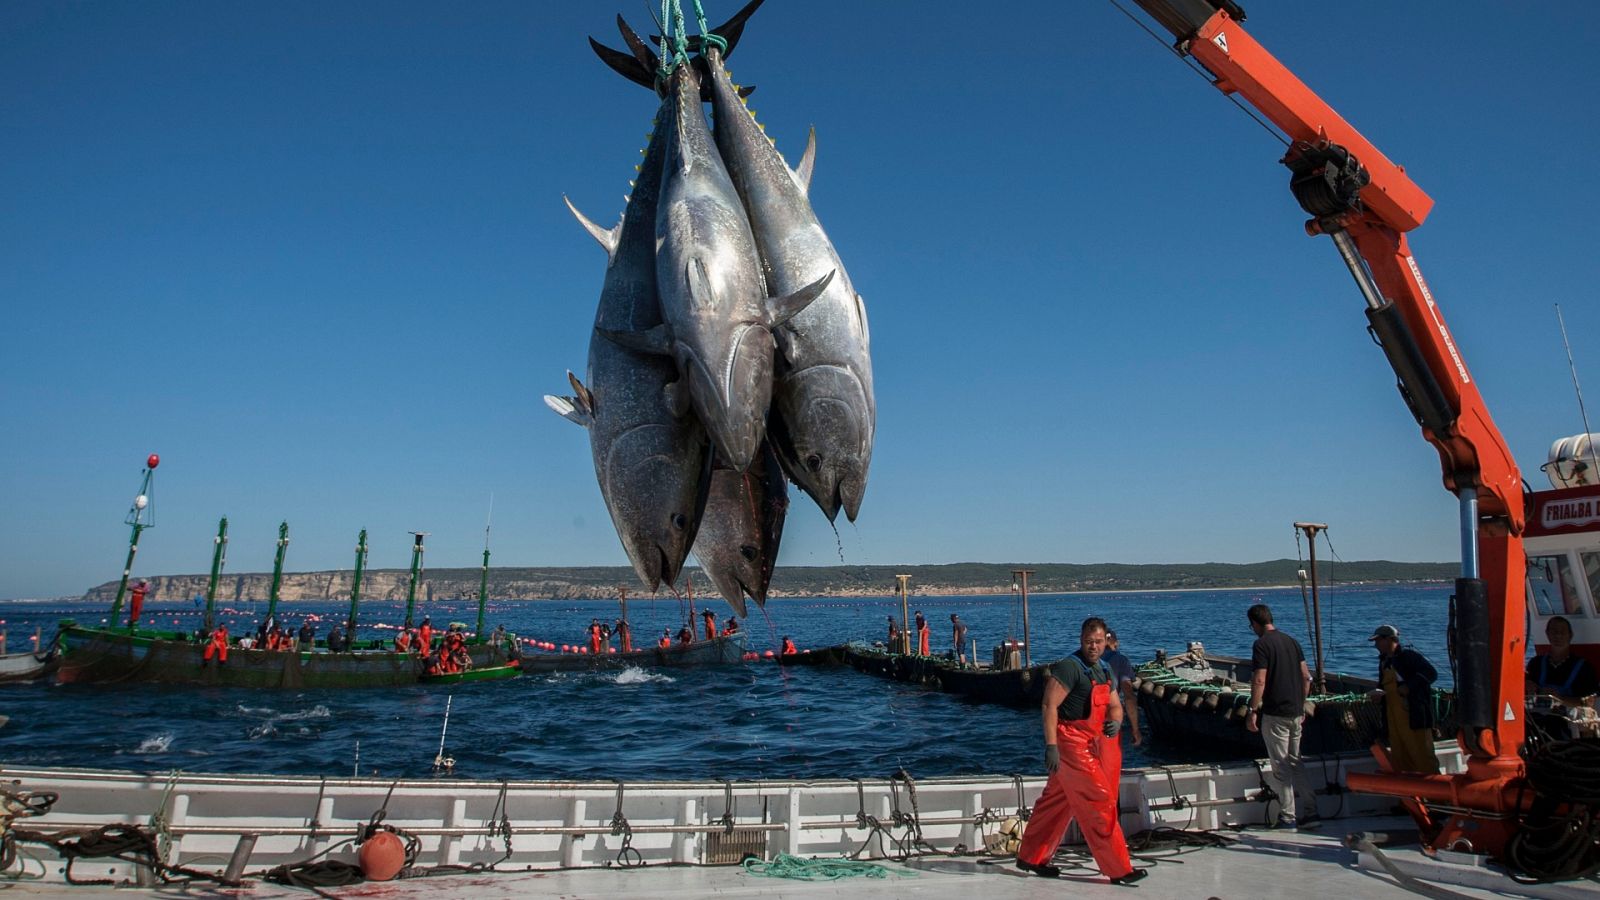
point(200, 818)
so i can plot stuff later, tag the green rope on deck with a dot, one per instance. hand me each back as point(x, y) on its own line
point(801, 869)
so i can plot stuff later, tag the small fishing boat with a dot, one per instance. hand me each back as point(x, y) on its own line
point(726, 649)
point(821, 656)
point(487, 673)
point(1200, 701)
point(30, 665)
point(1010, 679)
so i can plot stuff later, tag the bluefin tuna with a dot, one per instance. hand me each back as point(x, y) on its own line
point(652, 462)
point(718, 317)
point(824, 417)
point(743, 523)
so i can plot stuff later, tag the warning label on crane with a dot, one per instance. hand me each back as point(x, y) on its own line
point(1511, 715)
point(1221, 40)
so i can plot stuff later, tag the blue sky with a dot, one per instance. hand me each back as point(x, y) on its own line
point(315, 256)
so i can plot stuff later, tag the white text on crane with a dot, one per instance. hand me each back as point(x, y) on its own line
point(1433, 310)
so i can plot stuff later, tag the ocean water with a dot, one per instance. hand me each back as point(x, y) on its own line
point(738, 722)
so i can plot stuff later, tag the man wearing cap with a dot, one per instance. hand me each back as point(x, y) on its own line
point(1406, 688)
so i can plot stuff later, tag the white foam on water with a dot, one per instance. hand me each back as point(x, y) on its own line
point(264, 730)
point(636, 675)
point(256, 710)
point(155, 744)
point(316, 712)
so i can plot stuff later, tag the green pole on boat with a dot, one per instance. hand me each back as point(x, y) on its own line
point(355, 586)
point(277, 569)
point(416, 570)
point(219, 556)
point(136, 517)
point(483, 584)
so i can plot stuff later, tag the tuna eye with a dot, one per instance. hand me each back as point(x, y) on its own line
point(814, 463)
point(748, 552)
point(680, 521)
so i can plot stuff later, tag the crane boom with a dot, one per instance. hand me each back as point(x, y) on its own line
point(1366, 203)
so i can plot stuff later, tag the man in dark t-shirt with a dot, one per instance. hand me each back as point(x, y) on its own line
point(1569, 678)
point(1277, 709)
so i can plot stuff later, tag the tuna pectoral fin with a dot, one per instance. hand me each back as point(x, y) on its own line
point(782, 309)
point(585, 399)
point(657, 341)
point(606, 236)
point(802, 175)
point(567, 408)
point(677, 394)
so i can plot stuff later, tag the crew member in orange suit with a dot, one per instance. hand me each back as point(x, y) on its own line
point(1080, 708)
point(666, 638)
point(594, 635)
point(425, 636)
point(922, 634)
point(625, 635)
point(402, 641)
point(136, 602)
point(218, 647)
point(711, 624)
point(789, 649)
point(731, 626)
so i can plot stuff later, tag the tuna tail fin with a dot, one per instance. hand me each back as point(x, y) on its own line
point(567, 408)
point(656, 341)
point(585, 399)
point(730, 31)
point(607, 237)
point(624, 65)
point(782, 309)
point(802, 175)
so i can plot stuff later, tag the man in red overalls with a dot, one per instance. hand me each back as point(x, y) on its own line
point(711, 624)
point(1079, 708)
point(922, 634)
point(218, 647)
point(425, 636)
point(136, 602)
point(594, 635)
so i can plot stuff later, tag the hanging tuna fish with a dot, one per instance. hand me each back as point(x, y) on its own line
point(775, 384)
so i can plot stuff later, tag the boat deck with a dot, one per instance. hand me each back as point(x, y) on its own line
point(1259, 863)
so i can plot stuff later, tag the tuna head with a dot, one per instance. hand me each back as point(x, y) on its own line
point(743, 523)
point(821, 427)
point(656, 494)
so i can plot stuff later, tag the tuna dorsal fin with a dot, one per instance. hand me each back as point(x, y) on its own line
point(624, 65)
point(567, 408)
point(782, 309)
point(802, 175)
point(607, 237)
point(657, 340)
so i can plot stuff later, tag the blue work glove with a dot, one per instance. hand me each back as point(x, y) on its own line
point(1112, 727)
point(1052, 758)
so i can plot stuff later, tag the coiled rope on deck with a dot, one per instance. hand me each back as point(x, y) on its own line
point(786, 865)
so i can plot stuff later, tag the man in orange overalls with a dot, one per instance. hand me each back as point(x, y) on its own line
point(594, 635)
point(136, 602)
point(425, 636)
point(789, 649)
point(711, 624)
point(922, 634)
point(666, 639)
point(1079, 709)
point(217, 646)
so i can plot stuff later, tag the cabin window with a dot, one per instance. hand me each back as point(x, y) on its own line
point(1553, 586)
point(1591, 570)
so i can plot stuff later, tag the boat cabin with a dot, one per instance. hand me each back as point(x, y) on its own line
point(1562, 543)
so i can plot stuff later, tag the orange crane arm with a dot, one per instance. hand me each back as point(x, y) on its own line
point(1366, 203)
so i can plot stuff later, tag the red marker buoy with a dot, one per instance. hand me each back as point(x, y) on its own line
point(153, 461)
point(382, 856)
point(769, 654)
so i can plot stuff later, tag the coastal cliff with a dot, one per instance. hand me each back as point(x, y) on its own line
point(602, 582)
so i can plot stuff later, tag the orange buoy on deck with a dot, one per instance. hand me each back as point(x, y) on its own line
point(381, 856)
